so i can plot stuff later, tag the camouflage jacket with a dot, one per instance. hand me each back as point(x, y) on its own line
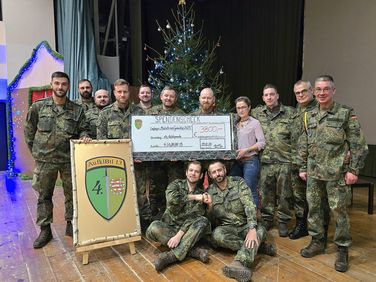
point(87, 105)
point(199, 112)
point(181, 212)
point(48, 130)
point(233, 206)
point(328, 139)
point(92, 116)
point(298, 128)
point(114, 123)
point(158, 110)
point(277, 130)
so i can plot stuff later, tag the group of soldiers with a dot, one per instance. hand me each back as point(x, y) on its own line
point(313, 153)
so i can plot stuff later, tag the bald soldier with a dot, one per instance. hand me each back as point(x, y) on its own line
point(207, 103)
point(101, 100)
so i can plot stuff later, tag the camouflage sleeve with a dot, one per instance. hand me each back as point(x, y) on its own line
point(31, 126)
point(248, 204)
point(357, 144)
point(102, 126)
point(175, 196)
point(83, 126)
point(302, 148)
point(209, 214)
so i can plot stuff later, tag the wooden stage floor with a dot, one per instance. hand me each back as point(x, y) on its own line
point(59, 262)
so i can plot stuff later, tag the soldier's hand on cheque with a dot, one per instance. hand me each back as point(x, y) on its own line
point(174, 241)
point(350, 178)
point(251, 240)
point(303, 176)
point(85, 139)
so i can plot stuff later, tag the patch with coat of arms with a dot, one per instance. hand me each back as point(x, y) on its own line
point(106, 185)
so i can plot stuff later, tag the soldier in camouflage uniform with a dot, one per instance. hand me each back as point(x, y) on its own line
point(275, 173)
point(207, 103)
point(183, 223)
point(114, 123)
point(333, 135)
point(231, 208)
point(304, 96)
point(207, 107)
point(50, 125)
point(164, 172)
point(306, 102)
point(101, 99)
point(85, 89)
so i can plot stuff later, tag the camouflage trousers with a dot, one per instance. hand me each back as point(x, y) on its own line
point(44, 179)
point(299, 189)
point(143, 190)
point(338, 195)
point(231, 237)
point(162, 232)
point(161, 174)
point(275, 179)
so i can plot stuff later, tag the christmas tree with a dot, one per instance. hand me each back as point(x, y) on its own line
point(186, 64)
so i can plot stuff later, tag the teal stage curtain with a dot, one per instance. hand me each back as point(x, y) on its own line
point(75, 38)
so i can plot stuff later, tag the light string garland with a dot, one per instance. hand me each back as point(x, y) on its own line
point(9, 105)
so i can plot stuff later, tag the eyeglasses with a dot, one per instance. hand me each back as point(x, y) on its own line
point(303, 92)
point(324, 90)
point(242, 108)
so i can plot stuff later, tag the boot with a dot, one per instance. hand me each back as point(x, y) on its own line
point(237, 271)
point(282, 229)
point(342, 261)
point(44, 237)
point(163, 260)
point(267, 249)
point(199, 254)
point(316, 247)
point(69, 229)
point(300, 229)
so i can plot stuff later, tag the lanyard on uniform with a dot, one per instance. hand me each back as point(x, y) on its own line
point(305, 121)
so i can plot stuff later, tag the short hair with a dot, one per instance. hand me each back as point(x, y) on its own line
point(84, 80)
point(120, 81)
point(145, 85)
point(194, 163)
point(60, 74)
point(168, 87)
point(325, 77)
point(214, 162)
point(269, 85)
point(244, 99)
point(299, 82)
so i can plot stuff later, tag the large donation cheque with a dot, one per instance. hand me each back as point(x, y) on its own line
point(182, 137)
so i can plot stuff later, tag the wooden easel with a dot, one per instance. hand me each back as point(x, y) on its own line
point(86, 249)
